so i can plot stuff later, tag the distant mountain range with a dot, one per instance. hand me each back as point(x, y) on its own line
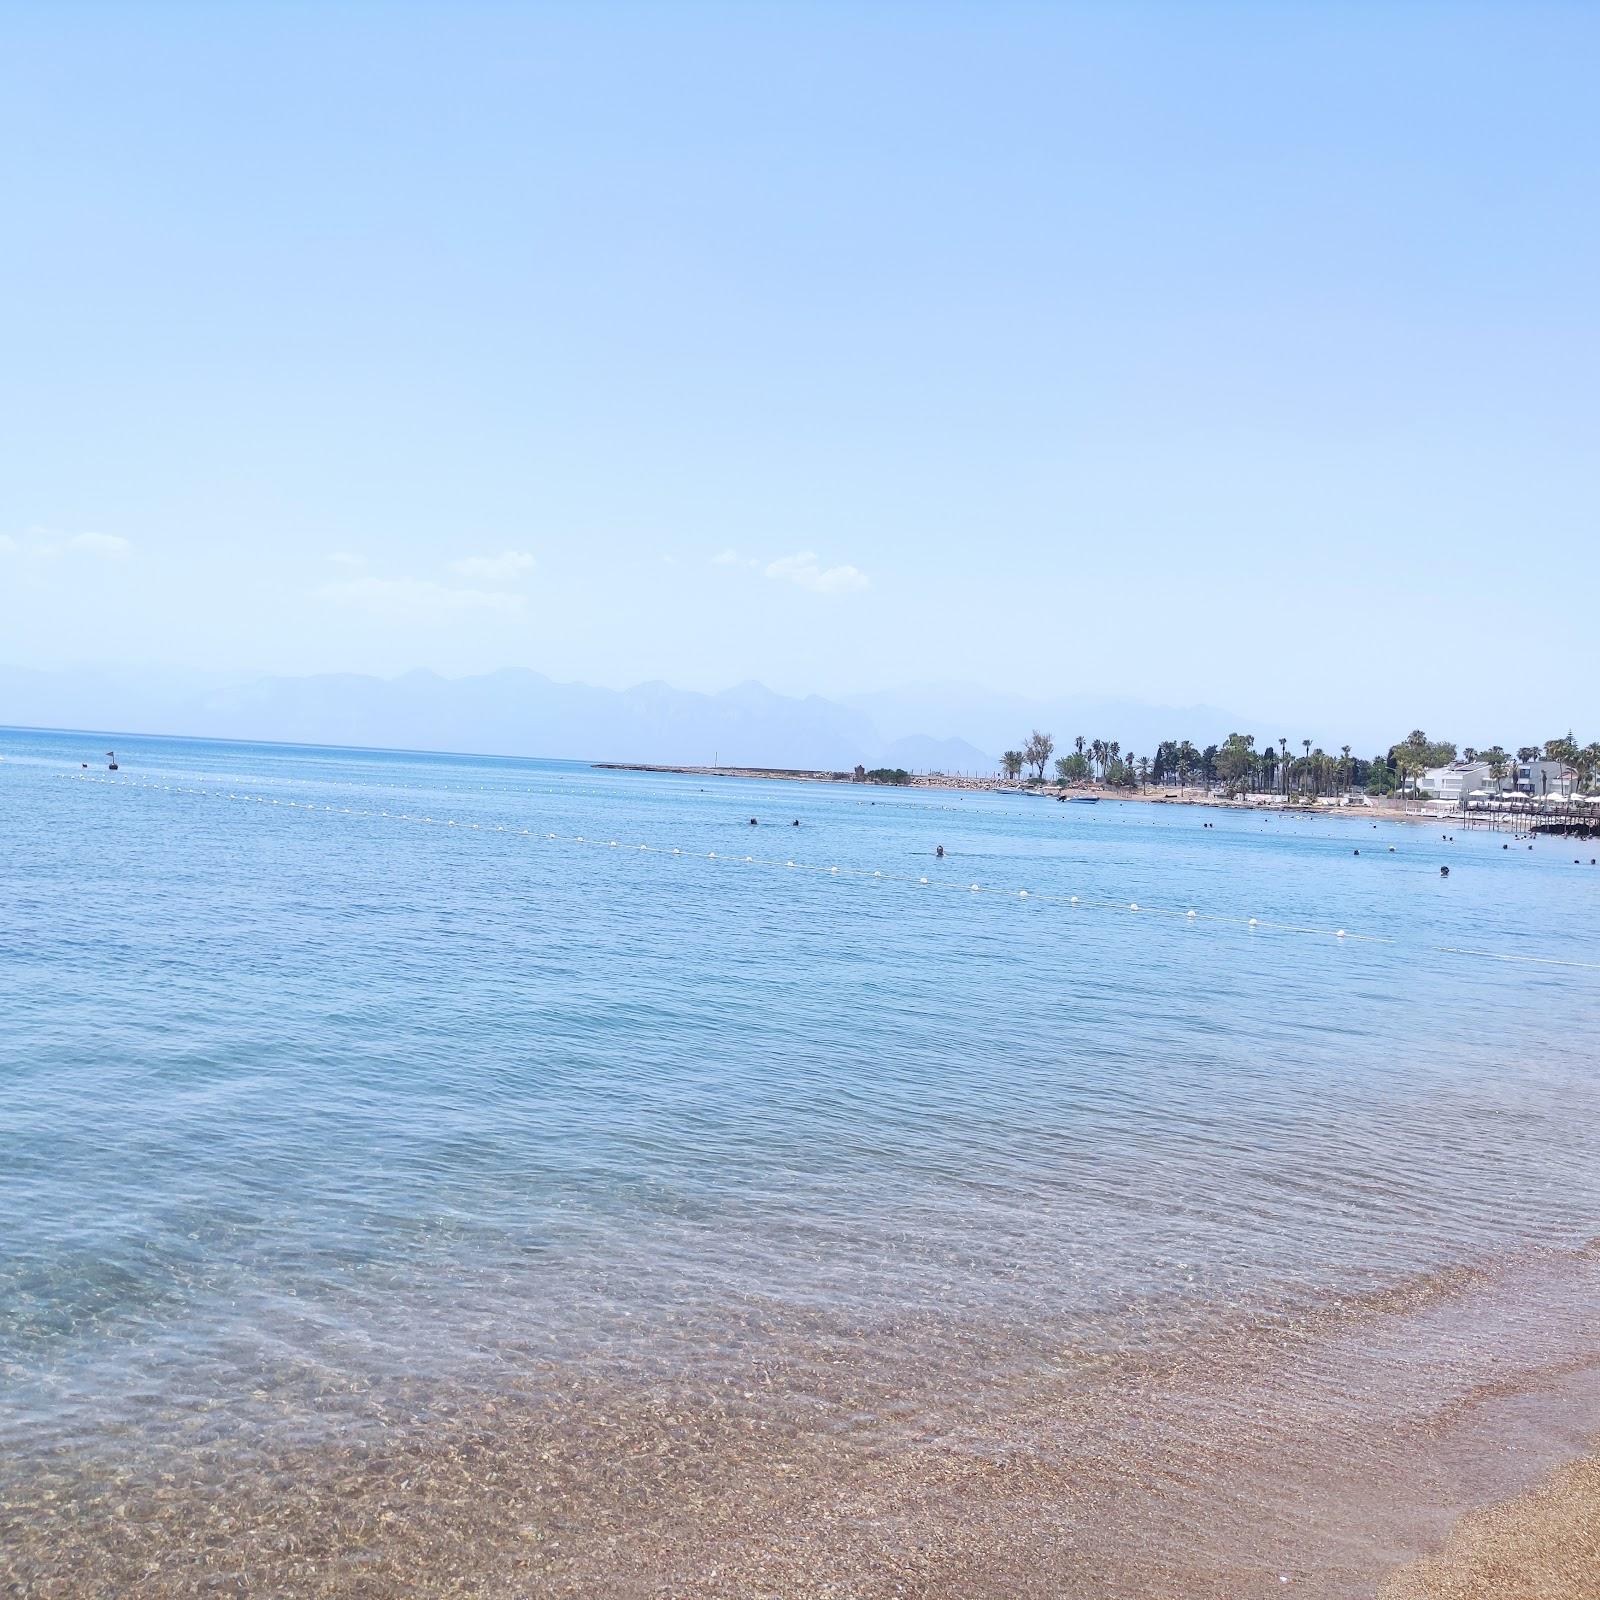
point(938, 727)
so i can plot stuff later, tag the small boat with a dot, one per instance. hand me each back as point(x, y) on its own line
point(1083, 800)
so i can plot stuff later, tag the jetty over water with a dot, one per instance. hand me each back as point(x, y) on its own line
point(1564, 816)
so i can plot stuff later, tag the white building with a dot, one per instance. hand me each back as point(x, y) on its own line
point(1461, 779)
point(1540, 778)
point(1455, 782)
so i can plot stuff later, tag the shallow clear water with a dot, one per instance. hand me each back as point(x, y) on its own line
point(300, 1100)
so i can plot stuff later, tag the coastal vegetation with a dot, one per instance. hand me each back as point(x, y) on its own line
point(1238, 766)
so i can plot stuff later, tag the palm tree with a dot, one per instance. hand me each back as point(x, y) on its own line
point(1283, 745)
point(1012, 762)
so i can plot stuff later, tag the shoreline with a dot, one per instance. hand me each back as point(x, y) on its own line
point(1543, 1544)
point(1370, 810)
point(1135, 1473)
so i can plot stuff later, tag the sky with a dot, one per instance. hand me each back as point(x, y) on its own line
point(1199, 352)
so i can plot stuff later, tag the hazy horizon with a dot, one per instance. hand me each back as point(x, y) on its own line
point(939, 726)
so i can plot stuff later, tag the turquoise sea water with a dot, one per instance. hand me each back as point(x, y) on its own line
point(324, 1069)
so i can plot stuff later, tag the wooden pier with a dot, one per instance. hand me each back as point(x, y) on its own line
point(1531, 816)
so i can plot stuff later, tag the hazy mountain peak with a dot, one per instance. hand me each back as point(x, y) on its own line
point(517, 711)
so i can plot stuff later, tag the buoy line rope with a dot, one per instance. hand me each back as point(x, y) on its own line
point(736, 857)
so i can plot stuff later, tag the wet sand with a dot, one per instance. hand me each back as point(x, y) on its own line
point(1544, 1545)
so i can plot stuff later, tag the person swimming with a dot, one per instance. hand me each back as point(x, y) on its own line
point(938, 850)
point(752, 822)
point(795, 823)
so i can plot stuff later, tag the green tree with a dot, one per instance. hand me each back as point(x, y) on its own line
point(1498, 762)
point(1011, 762)
point(1563, 750)
point(1587, 762)
point(1235, 761)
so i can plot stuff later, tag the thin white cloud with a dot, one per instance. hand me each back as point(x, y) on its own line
point(45, 544)
point(502, 568)
point(727, 558)
point(806, 572)
point(419, 600)
point(108, 546)
point(349, 562)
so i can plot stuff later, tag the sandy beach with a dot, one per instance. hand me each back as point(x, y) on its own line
point(1544, 1545)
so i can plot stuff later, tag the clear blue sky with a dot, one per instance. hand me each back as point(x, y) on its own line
point(1238, 353)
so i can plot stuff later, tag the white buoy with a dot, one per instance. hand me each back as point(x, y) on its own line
point(1074, 900)
point(833, 869)
point(877, 874)
point(1252, 922)
point(1133, 905)
point(974, 888)
point(1339, 934)
point(922, 880)
point(1022, 894)
point(711, 855)
point(1191, 913)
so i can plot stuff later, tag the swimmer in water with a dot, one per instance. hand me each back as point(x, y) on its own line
point(938, 850)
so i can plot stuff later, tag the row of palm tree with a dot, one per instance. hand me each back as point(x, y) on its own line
point(1239, 767)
